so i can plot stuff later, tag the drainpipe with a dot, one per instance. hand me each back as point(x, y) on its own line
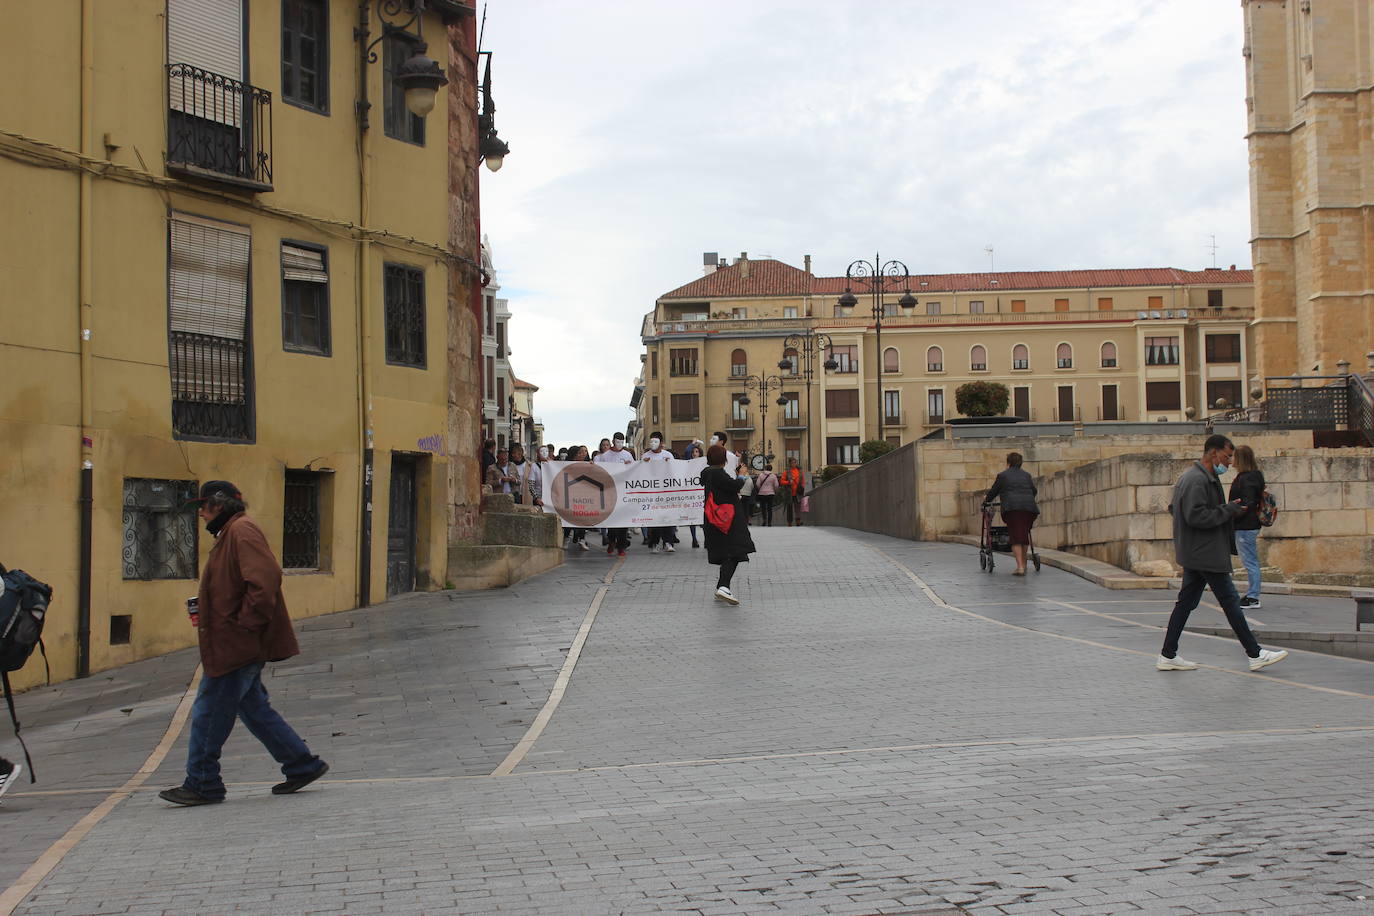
point(84, 306)
point(365, 330)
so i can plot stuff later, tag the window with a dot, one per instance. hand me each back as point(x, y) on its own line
point(501, 340)
point(1161, 396)
point(404, 305)
point(1161, 351)
point(1214, 298)
point(1223, 348)
point(890, 310)
point(1020, 357)
point(400, 123)
point(491, 314)
point(300, 543)
point(791, 411)
point(978, 358)
point(1063, 357)
point(975, 307)
point(682, 361)
point(684, 408)
point(209, 354)
point(891, 361)
point(159, 528)
point(791, 448)
point(1018, 305)
point(1108, 355)
point(739, 364)
point(739, 313)
point(842, 403)
point(842, 450)
point(653, 413)
point(847, 357)
point(1064, 409)
point(738, 411)
point(935, 405)
point(679, 446)
point(1111, 408)
point(841, 311)
point(501, 396)
point(1223, 395)
point(1104, 304)
point(932, 308)
point(789, 311)
point(935, 360)
point(491, 378)
point(790, 357)
point(305, 54)
point(892, 406)
point(1155, 302)
point(1061, 305)
point(653, 364)
point(1020, 398)
point(304, 300)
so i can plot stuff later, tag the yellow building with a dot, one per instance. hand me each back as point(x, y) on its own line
point(1079, 345)
point(213, 270)
point(1310, 99)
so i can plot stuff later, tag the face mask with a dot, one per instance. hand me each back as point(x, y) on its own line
point(715, 441)
point(655, 443)
point(543, 453)
point(1219, 469)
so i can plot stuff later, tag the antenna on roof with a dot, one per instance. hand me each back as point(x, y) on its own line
point(992, 266)
point(1213, 246)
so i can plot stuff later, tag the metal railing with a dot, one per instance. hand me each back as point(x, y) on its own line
point(1361, 409)
point(218, 126)
point(210, 386)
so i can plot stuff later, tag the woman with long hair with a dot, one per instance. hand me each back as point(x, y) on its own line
point(726, 549)
point(1248, 487)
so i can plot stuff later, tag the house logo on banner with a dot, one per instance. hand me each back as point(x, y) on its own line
point(584, 495)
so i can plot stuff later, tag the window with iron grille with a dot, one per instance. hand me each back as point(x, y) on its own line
point(682, 361)
point(1223, 348)
point(300, 545)
point(847, 357)
point(209, 357)
point(404, 303)
point(400, 123)
point(842, 449)
point(159, 528)
point(684, 407)
point(304, 299)
point(305, 54)
point(1223, 394)
point(842, 403)
point(1161, 351)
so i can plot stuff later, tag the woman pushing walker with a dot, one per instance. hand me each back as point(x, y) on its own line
point(1017, 490)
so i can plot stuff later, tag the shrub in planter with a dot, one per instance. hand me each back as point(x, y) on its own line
point(873, 448)
point(831, 471)
point(982, 399)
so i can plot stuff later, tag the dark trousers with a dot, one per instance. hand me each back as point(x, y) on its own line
point(663, 535)
point(789, 504)
point(727, 572)
point(1190, 594)
point(766, 509)
point(620, 538)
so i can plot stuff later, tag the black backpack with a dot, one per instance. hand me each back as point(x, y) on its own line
point(23, 606)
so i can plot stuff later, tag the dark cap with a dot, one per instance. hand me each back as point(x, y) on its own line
point(217, 488)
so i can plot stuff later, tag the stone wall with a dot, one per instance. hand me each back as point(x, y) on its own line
point(877, 496)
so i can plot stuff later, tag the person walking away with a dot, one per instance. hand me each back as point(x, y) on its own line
point(242, 624)
point(793, 488)
point(693, 450)
point(661, 538)
point(617, 539)
point(726, 549)
point(1017, 491)
point(1247, 489)
point(765, 491)
point(1203, 545)
point(746, 490)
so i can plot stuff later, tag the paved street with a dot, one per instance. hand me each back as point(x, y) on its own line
point(880, 728)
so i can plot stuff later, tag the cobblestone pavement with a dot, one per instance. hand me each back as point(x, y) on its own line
point(879, 728)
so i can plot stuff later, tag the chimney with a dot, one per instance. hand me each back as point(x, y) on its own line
point(806, 263)
point(743, 263)
point(709, 260)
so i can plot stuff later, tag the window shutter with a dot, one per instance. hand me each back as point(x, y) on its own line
point(303, 264)
point(207, 34)
point(208, 280)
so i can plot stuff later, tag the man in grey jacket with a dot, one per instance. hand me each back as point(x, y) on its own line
point(1204, 542)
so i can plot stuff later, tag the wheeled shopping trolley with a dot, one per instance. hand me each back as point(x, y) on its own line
point(997, 539)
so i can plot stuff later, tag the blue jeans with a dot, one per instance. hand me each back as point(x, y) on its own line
point(1247, 542)
point(239, 695)
point(1190, 594)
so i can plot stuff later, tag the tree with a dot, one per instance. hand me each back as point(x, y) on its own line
point(982, 399)
point(873, 448)
point(831, 471)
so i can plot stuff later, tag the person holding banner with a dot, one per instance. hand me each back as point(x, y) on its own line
point(728, 543)
point(693, 450)
point(578, 536)
point(618, 538)
point(661, 538)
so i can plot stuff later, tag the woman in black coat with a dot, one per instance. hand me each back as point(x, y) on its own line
point(1019, 510)
point(1248, 488)
point(726, 549)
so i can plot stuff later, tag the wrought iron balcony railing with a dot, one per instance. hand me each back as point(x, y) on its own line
point(218, 127)
point(210, 387)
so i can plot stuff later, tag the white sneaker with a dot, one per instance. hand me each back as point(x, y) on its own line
point(583, 545)
point(1177, 663)
point(724, 594)
point(1267, 657)
point(655, 549)
point(669, 548)
point(9, 778)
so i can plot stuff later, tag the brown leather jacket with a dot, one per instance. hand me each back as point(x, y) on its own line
point(243, 616)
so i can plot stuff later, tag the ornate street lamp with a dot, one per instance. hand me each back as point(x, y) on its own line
point(489, 146)
point(419, 75)
point(763, 384)
point(809, 346)
point(877, 277)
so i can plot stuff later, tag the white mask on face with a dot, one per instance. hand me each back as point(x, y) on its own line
point(715, 440)
point(655, 443)
point(543, 452)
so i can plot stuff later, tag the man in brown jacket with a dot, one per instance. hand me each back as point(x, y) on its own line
point(242, 625)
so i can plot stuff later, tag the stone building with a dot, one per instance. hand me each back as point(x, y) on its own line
point(1310, 98)
point(1072, 346)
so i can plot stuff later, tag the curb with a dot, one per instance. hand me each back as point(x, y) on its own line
point(1347, 645)
point(1095, 571)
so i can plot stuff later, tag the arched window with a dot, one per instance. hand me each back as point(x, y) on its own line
point(935, 360)
point(790, 356)
point(1020, 357)
point(978, 358)
point(1063, 357)
point(891, 362)
point(1108, 355)
point(739, 364)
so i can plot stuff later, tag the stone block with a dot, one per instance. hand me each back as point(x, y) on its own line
point(1357, 494)
point(522, 529)
point(1308, 495)
point(1153, 498)
point(498, 502)
point(1291, 524)
point(1338, 522)
point(1153, 568)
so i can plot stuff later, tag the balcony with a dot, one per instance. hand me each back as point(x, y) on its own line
point(210, 387)
point(793, 424)
point(218, 128)
point(897, 420)
point(935, 419)
point(737, 421)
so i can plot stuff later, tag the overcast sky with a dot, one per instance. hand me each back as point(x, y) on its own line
point(1063, 133)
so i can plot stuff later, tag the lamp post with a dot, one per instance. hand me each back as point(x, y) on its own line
point(419, 76)
point(763, 384)
point(876, 276)
point(809, 347)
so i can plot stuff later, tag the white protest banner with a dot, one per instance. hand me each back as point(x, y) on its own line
point(653, 494)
